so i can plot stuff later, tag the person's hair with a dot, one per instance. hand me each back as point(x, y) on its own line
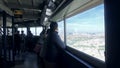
point(43, 32)
point(53, 26)
point(48, 30)
point(18, 31)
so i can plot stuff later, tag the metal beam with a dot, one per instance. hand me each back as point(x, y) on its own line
point(4, 35)
point(32, 1)
point(32, 6)
point(19, 2)
point(27, 9)
point(13, 51)
point(112, 33)
point(21, 7)
point(5, 2)
point(6, 9)
point(65, 40)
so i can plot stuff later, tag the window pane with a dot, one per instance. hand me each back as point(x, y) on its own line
point(20, 29)
point(39, 30)
point(9, 31)
point(61, 29)
point(24, 29)
point(32, 29)
point(85, 32)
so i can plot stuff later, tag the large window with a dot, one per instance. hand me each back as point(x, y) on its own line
point(61, 29)
point(85, 32)
point(39, 30)
point(36, 30)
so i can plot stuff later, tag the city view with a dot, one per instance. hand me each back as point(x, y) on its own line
point(85, 32)
point(90, 43)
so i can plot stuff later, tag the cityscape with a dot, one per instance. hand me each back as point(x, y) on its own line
point(89, 43)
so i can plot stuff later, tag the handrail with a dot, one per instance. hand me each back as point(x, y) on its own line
point(89, 59)
point(80, 60)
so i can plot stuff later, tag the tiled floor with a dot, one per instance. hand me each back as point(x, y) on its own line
point(30, 61)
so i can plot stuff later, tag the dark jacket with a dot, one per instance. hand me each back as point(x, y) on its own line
point(54, 46)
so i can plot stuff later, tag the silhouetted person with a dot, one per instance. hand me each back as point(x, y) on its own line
point(40, 42)
point(23, 36)
point(39, 48)
point(43, 48)
point(29, 41)
point(17, 41)
point(54, 46)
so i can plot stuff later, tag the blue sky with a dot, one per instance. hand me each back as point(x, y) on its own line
point(91, 20)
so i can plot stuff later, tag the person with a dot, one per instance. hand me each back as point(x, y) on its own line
point(22, 34)
point(39, 48)
point(29, 42)
point(17, 41)
point(22, 41)
point(43, 48)
point(54, 46)
point(40, 42)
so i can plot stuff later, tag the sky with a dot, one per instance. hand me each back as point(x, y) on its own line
point(91, 20)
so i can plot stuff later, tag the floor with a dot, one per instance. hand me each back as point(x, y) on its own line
point(30, 61)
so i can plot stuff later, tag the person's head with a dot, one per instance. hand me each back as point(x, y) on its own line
point(17, 32)
point(43, 32)
point(22, 31)
point(53, 26)
point(29, 31)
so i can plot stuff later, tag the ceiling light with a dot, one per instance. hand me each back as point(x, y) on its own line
point(53, 0)
point(45, 19)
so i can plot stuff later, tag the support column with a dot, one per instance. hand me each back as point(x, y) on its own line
point(13, 48)
point(4, 35)
point(28, 29)
point(112, 33)
point(65, 41)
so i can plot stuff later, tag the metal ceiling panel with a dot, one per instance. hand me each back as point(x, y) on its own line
point(77, 6)
point(23, 3)
point(26, 2)
point(11, 1)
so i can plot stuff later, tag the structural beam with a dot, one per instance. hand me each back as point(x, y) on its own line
point(112, 33)
point(6, 9)
point(4, 35)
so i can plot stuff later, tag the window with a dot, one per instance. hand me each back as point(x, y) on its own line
point(9, 31)
point(24, 29)
point(32, 29)
point(39, 30)
point(61, 29)
point(36, 30)
point(85, 32)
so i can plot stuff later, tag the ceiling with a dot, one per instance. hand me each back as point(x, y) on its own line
point(75, 7)
point(31, 8)
point(37, 9)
